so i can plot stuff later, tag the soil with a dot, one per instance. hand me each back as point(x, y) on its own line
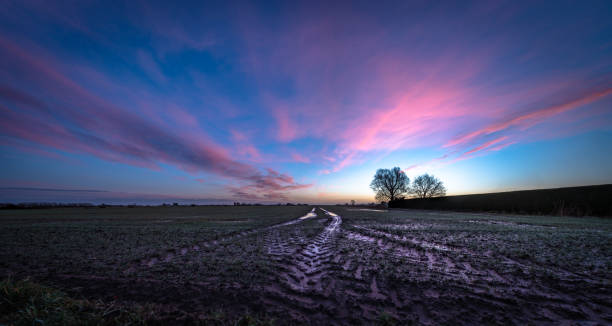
point(324, 269)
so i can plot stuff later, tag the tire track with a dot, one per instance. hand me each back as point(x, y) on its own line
point(305, 284)
point(439, 259)
point(171, 254)
point(281, 243)
point(318, 284)
point(469, 276)
point(362, 292)
point(310, 264)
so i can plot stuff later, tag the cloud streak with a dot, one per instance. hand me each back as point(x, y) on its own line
point(85, 123)
point(531, 118)
point(485, 145)
point(368, 96)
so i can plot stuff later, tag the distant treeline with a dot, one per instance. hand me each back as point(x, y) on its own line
point(90, 205)
point(369, 205)
point(260, 204)
point(571, 201)
point(43, 205)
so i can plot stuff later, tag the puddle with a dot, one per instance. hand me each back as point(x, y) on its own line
point(309, 215)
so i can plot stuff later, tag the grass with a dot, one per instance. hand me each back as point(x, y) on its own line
point(48, 244)
point(28, 303)
point(431, 267)
point(104, 241)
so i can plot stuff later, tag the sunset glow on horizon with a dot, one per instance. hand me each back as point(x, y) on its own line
point(146, 102)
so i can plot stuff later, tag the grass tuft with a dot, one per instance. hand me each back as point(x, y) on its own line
point(27, 303)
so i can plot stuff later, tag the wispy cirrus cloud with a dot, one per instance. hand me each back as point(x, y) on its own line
point(151, 67)
point(485, 145)
point(73, 119)
point(509, 131)
point(286, 130)
point(533, 117)
point(368, 95)
point(297, 157)
point(274, 186)
point(229, 90)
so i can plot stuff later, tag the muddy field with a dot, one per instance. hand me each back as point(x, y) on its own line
point(320, 265)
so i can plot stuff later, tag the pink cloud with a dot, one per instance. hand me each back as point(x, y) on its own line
point(182, 117)
point(151, 67)
point(529, 119)
point(485, 145)
point(174, 34)
point(519, 122)
point(367, 100)
point(244, 148)
point(434, 160)
point(274, 187)
point(346, 161)
point(300, 158)
point(363, 99)
point(502, 146)
point(249, 151)
point(84, 123)
point(239, 136)
point(286, 129)
point(356, 86)
point(414, 166)
point(329, 158)
point(32, 149)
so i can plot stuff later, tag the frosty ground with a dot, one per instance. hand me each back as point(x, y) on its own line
point(318, 265)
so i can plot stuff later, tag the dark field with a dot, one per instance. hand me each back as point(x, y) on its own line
point(221, 265)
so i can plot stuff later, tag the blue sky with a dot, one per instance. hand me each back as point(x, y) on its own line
point(299, 101)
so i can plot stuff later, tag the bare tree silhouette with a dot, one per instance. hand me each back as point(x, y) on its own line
point(390, 184)
point(427, 186)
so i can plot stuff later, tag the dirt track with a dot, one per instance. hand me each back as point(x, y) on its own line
point(323, 269)
point(324, 283)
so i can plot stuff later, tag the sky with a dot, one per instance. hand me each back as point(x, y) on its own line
point(301, 101)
